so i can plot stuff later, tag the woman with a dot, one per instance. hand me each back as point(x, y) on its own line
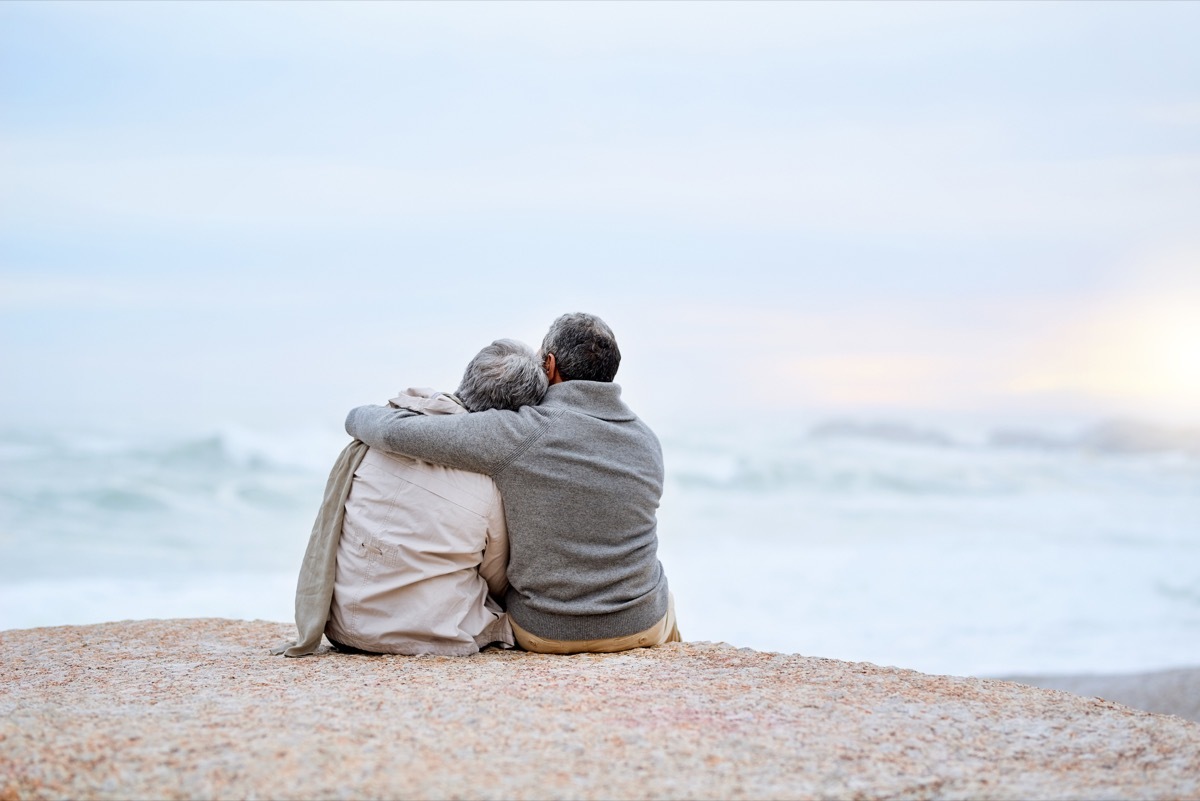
point(408, 557)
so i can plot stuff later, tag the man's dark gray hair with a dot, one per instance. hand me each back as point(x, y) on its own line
point(584, 348)
point(504, 375)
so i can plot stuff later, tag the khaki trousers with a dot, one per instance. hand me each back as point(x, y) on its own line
point(664, 631)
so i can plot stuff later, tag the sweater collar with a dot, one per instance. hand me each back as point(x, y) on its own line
point(600, 399)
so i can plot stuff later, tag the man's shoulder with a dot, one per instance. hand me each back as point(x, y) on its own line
point(598, 399)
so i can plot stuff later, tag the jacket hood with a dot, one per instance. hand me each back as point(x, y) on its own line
point(423, 400)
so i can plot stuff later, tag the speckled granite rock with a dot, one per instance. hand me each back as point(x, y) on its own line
point(200, 709)
point(1171, 692)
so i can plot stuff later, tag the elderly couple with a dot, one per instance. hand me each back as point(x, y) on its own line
point(518, 511)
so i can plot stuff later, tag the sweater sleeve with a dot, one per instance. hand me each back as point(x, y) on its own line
point(482, 442)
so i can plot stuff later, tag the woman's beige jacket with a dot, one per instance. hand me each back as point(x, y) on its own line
point(422, 548)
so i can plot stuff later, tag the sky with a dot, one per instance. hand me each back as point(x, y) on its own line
point(268, 213)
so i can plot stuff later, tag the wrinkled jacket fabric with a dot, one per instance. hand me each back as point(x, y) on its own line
point(420, 551)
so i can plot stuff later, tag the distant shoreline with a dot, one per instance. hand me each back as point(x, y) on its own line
point(1166, 692)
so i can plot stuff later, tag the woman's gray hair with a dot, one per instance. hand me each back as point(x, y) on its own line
point(504, 375)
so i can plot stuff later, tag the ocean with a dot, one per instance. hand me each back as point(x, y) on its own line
point(969, 549)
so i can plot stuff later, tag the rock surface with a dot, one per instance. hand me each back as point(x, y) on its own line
point(1170, 692)
point(200, 709)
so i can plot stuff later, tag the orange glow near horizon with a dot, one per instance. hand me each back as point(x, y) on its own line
point(1132, 353)
point(1141, 354)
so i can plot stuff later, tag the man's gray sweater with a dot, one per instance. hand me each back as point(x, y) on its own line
point(581, 477)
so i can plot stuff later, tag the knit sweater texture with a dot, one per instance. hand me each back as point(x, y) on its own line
point(581, 477)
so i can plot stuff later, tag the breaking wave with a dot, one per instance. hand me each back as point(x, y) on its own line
point(848, 456)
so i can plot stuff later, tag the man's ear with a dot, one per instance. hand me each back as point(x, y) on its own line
point(551, 368)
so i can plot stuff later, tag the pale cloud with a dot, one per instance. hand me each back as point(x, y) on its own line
point(850, 205)
point(1141, 356)
point(35, 292)
point(1133, 347)
point(572, 29)
point(905, 381)
point(908, 179)
point(1123, 350)
point(1184, 114)
point(861, 120)
point(866, 356)
point(25, 290)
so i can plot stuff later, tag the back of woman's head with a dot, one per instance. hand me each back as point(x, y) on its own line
point(504, 375)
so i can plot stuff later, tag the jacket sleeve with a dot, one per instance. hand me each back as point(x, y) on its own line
point(494, 565)
point(482, 442)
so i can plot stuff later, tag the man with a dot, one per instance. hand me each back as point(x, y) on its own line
point(581, 477)
point(405, 555)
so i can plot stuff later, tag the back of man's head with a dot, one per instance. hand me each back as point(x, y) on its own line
point(584, 348)
point(504, 375)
